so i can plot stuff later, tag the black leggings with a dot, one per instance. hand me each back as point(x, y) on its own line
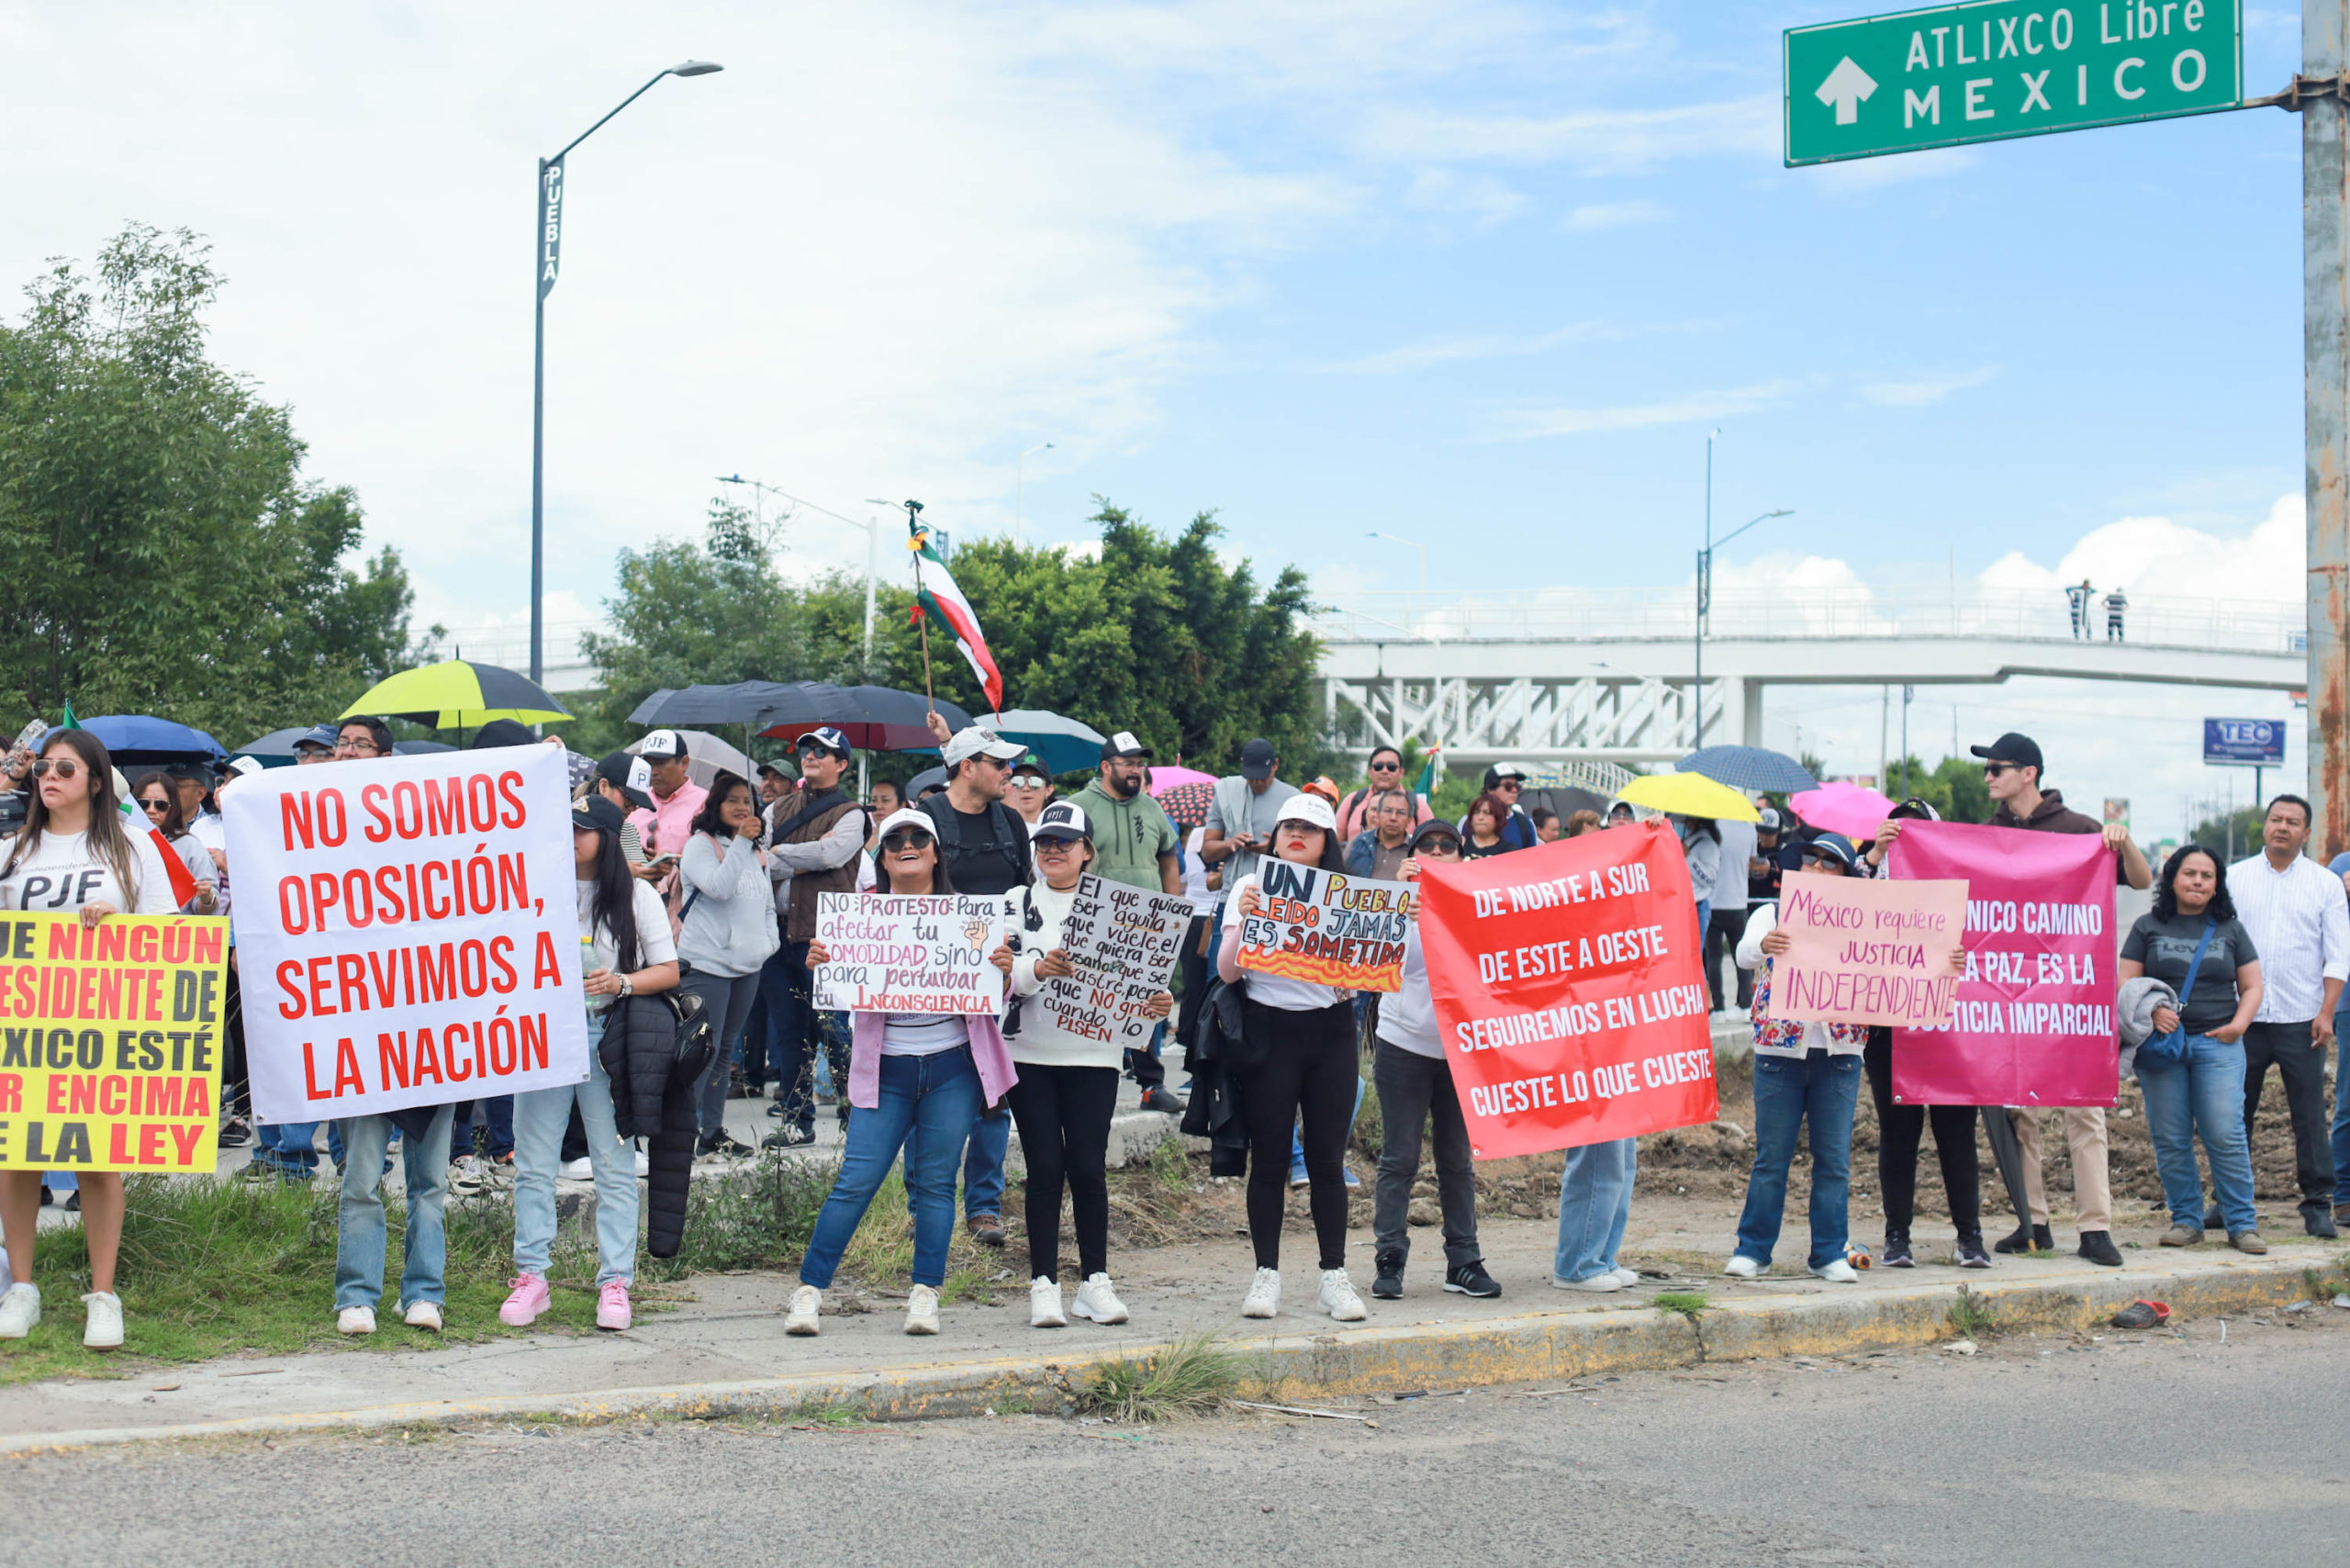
point(1899, 1130)
point(1063, 1115)
point(1310, 1077)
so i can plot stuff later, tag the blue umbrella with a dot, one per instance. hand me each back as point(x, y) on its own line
point(1749, 767)
point(135, 738)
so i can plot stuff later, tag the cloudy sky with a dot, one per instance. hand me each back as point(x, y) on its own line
point(1473, 272)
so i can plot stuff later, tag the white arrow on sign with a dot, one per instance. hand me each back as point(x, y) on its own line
point(1848, 87)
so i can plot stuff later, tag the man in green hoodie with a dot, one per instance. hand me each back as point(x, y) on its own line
point(1135, 843)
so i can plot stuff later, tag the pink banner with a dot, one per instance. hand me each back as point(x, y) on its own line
point(2034, 1013)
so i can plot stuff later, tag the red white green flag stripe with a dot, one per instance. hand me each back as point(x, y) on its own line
point(938, 594)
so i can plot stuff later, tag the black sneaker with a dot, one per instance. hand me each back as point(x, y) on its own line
point(2026, 1238)
point(1159, 1097)
point(776, 1108)
point(1471, 1279)
point(1388, 1284)
point(1896, 1250)
point(2097, 1246)
point(791, 1135)
point(1970, 1251)
point(722, 1145)
point(2319, 1222)
point(235, 1134)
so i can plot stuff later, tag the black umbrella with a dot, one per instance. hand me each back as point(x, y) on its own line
point(1749, 767)
point(739, 703)
point(878, 718)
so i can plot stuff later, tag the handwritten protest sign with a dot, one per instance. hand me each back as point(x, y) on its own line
point(407, 931)
point(1327, 927)
point(2032, 1024)
point(1123, 942)
point(909, 953)
point(110, 1042)
point(1867, 952)
point(1569, 993)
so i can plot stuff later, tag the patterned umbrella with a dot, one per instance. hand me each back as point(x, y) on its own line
point(1749, 767)
point(1186, 804)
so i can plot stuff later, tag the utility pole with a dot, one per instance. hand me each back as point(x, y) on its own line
point(2325, 337)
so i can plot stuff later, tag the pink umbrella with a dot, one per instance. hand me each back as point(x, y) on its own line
point(1165, 778)
point(1849, 809)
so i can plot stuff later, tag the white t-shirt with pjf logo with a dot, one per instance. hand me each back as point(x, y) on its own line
point(64, 872)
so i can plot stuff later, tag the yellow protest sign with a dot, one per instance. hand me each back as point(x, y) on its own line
point(110, 1042)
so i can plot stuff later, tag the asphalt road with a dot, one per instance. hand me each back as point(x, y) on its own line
point(2145, 1450)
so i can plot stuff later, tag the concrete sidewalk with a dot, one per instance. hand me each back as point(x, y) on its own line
point(724, 1351)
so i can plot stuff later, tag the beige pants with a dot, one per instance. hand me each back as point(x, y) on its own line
point(2092, 1188)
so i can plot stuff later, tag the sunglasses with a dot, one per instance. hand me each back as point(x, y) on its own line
point(64, 767)
point(1386, 768)
point(1056, 845)
point(1511, 785)
point(160, 808)
point(1438, 847)
point(906, 838)
point(1993, 769)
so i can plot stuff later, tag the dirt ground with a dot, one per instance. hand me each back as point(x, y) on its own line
point(1698, 1170)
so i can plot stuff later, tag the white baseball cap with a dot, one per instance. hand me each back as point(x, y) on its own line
point(904, 817)
point(1311, 809)
point(975, 742)
point(1062, 819)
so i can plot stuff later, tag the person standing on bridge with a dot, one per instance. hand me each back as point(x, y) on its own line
point(2012, 774)
point(2077, 599)
point(2116, 604)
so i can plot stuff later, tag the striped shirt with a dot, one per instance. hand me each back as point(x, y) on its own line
point(2300, 924)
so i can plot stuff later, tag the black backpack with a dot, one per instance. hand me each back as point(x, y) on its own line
point(1007, 841)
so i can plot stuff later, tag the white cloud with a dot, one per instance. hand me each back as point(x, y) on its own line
point(1591, 141)
point(1924, 389)
point(1615, 215)
point(1860, 175)
point(1444, 351)
point(1482, 196)
point(1688, 408)
point(2154, 557)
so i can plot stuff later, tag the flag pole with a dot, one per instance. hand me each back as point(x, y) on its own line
point(922, 622)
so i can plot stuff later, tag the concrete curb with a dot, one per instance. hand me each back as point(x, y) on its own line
point(1563, 1345)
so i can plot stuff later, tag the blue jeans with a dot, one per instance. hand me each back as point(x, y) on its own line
point(1819, 1088)
point(360, 1230)
point(540, 1117)
point(289, 1146)
point(497, 1114)
point(991, 1140)
point(2341, 1116)
point(801, 1042)
point(1595, 1203)
point(936, 1095)
point(2203, 1094)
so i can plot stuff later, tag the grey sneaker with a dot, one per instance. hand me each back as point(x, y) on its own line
point(2182, 1235)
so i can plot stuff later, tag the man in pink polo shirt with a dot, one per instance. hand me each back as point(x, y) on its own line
point(675, 797)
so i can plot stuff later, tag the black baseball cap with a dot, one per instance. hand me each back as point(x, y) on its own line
point(2022, 750)
point(1256, 759)
point(597, 812)
point(1434, 827)
point(1124, 743)
point(1831, 847)
point(631, 776)
point(823, 738)
point(1031, 763)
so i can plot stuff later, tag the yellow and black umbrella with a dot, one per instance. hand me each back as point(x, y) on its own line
point(458, 694)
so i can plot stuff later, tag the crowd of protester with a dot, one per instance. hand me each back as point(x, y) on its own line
point(712, 890)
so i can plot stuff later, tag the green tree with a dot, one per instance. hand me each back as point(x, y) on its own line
point(162, 550)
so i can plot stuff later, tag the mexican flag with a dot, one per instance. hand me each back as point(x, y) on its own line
point(1429, 774)
point(938, 594)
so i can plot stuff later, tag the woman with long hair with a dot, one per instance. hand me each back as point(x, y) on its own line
point(154, 795)
point(75, 855)
point(1303, 1038)
point(726, 931)
point(1068, 1087)
point(1482, 828)
point(2191, 1068)
point(625, 933)
point(926, 1072)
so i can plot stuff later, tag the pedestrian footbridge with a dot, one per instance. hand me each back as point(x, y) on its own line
point(1562, 674)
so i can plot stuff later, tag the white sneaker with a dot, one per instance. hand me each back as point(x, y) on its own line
point(1264, 1298)
point(1597, 1283)
point(423, 1314)
point(1629, 1276)
point(19, 1310)
point(1338, 1298)
point(921, 1310)
point(1741, 1267)
point(1045, 1304)
point(355, 1320)
point(644, 1165)
point(579, 1169)
point(1097, 1301)
point(102, 1328)
point(1836, 1271)
point(806, 1303)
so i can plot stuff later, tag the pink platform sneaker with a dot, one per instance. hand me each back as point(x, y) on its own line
point(611, 1305)
point(530, 1298)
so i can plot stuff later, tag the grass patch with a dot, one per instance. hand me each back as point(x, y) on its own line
point(1687, 1303)
point(1192, 1377)
point(883, 1251)
point(1972, 1315)
point(1170, 1166)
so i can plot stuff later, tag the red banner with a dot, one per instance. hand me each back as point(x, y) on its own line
point(1570, 995)
point(2034, 1016)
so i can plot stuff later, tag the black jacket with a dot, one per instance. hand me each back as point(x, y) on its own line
point(653, 1050)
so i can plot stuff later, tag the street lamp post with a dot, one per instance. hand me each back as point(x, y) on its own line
point(1020, 489)
point(1705, 587)
point(549, 257)
point(1421, 598)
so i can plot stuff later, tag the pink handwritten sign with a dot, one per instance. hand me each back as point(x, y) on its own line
point(1868, 952)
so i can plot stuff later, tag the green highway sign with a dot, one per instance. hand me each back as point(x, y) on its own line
point(1994, 69)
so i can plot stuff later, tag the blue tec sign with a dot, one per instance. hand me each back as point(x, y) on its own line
point(2247, 742)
